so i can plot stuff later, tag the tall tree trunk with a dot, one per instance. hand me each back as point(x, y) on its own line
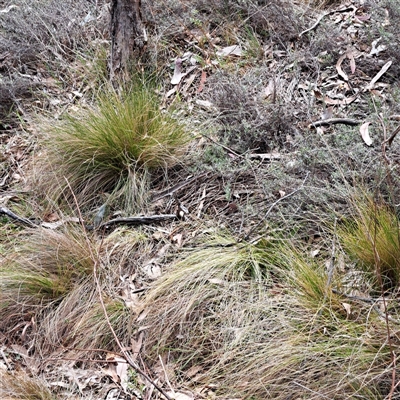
point(127, 36)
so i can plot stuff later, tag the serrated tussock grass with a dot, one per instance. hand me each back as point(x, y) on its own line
point(371, 237)
point(80, 325)
point(50, 281)
point(112, 148)
point(46, 265)
point(261, 321)
point(20, 386)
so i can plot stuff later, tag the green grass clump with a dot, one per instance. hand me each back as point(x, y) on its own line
point(45, 269)
point(112, 148)
point(21, 386)
point(372, 239)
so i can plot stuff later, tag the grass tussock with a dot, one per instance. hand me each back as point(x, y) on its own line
point(112, 148)
point(79, 323)
point(372, 239)
point(21, 386)
point(280, 333)
point(202, 276)
point(46, 267)
point(49, 289)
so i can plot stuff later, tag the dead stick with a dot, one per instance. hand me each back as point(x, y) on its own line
point(392, 136)
point(141, 220)
point(331, 121)
point(221, 145)
point(15, 217)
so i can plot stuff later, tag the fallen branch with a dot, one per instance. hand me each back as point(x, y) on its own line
point(332, 121)
point(135, 221)
point(132, 221)
point(15, 217)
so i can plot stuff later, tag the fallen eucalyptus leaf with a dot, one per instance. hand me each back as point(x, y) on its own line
point(365, 134)
point(234, 50)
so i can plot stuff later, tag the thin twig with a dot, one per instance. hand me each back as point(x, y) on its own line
point(5, 359)
point(274, 204)
point(124, 352)
point(223, 146)
point(392, 136)
point(320, 18)
point(166, 375)
point(312, 391)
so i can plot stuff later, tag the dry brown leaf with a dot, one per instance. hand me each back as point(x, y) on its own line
point(118, 371)
point(365, 134)
point(178, 75)
point(51, 217)
point(153, 271)
point(178, 239)
point(328, 113)
point(137, 345)
point(205, 103)
point(270, 89)
point(192, 371)
point(202, 81)
point(171, 92)
point(189, 82)
point(217, 281)
point(350, 56)
point(234, 50)
point(371, 85)
point(180, 396)
point(339, 67)
point(315, 252)
point(328, 100)
point(347, 307)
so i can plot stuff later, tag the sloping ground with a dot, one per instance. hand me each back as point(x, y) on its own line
point(262, 257)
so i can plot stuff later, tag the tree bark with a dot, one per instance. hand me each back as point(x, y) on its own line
point(128, 37)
